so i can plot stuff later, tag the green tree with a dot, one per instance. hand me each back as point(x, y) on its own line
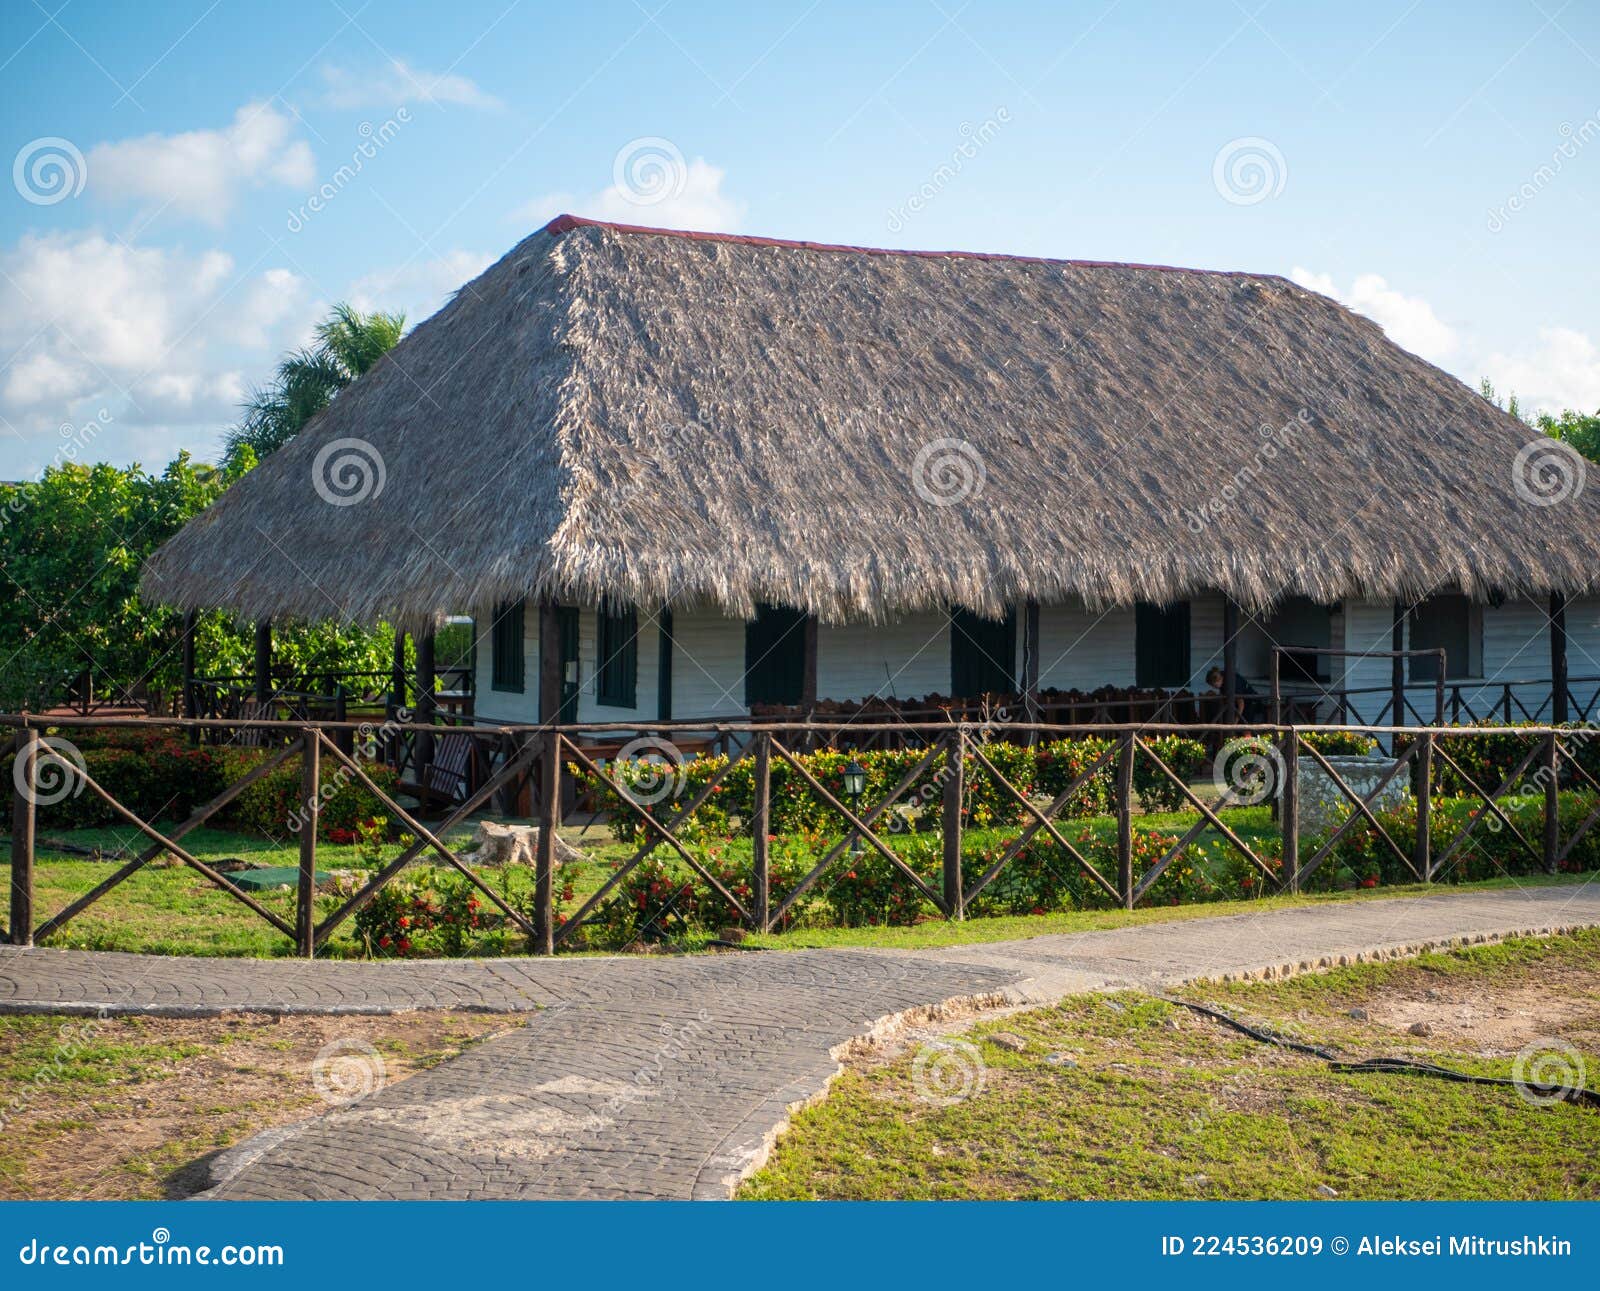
point(348, 343)
point(1575, 428)
point(72, 544)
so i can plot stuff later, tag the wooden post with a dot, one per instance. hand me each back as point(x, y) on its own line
point(1125, 819)
point(305, 893)
point(397, 678)
point(1422, 854)
point(760, 828)
point(544, 923)
point(808, 671)
point(23, 818)
point(1030, 666)
point(549, 662)
point(344, 739)
point(1289, 809)
point(1397, 676)
point(263, 661)
point(954, 791)
point(1552, 803)
point(427, 706)
point(191, 697)
point(1558, 659)
point(1230, 659)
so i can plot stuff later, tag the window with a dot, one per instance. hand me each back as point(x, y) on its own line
point(1444, 622)
point(505, 645)
point(983, 654)
point(774, 656)
point(617, 658)
point(1161, 644)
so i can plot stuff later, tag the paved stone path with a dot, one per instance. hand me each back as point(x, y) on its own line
point(670, 1077)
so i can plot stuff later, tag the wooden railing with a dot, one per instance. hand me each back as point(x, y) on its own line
point(543, 755)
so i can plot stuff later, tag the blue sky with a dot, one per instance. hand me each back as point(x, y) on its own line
point(1436, 165)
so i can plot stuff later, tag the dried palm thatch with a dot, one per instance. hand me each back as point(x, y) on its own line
point(613, 414)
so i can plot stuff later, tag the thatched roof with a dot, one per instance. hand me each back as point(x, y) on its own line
point(616, 413)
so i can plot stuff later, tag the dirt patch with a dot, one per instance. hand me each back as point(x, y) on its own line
point(1492, 1022)
point(130, 1107)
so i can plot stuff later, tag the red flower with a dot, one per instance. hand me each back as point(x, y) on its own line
point(405, 921)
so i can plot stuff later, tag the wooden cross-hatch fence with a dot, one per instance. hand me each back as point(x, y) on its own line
point(542, 759)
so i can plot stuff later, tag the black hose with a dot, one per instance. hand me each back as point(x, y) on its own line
point(1401, 1066)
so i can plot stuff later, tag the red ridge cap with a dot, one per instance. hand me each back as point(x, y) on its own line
point(566, 223)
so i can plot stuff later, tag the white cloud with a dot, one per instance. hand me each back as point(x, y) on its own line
point(160, 339)
point(199, 173)
point(694, 200)
point(1408, 320)
point(417, 289)
point(1560, 370)
point(398, 82)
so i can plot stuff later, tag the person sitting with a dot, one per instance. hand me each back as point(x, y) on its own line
point(1244, 707)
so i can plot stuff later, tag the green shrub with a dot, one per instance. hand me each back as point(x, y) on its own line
point(1491, 850)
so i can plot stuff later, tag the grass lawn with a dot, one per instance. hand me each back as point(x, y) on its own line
point(1125, 1096)
point(125, 1107)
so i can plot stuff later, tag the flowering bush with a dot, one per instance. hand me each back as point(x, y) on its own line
point(1360, 858)
point(1489, 757)
point(1044, 769)
point(395, 919)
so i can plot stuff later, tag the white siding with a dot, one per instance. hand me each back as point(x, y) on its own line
point(1583, 652)
point(502, 705)
point(1083, 649)
point(707, 665)
point(1205, 639)
point(904, 658)
point(648, 654)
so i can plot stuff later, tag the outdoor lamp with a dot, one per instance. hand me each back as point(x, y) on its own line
point(855, 779)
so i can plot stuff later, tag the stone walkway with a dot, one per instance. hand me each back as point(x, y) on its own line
point(670, 1077)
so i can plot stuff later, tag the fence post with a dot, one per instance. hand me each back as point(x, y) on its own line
point(1552, 802)
point(954, 787)
point(1289, 810)
point(24, 798)
point(760, 827)
point(305, 893)
point(544, 923)
point(1422, 853)
point(1125, 820)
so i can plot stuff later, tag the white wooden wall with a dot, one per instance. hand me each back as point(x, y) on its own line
point(910, 657)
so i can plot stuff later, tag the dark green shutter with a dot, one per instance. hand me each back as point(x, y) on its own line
point(617, 658)
point(774, 656)
point(1442, 622)
point(1161, 644)
point(505, 644)
point(983, 654)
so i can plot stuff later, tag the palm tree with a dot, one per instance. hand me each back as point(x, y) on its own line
point(348, 343)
